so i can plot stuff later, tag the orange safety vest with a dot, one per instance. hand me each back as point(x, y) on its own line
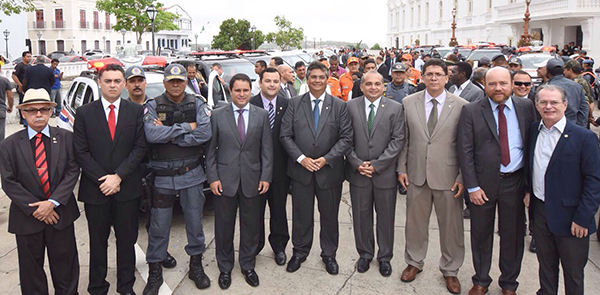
point(593, 76)
point(415, 76)
point(334, 87)
point(346, 84)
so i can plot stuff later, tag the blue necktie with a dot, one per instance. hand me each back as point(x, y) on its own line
point(316, 114)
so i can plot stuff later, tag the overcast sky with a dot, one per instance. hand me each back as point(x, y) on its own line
point(349, 20)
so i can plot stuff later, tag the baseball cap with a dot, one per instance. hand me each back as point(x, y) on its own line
point(134, 71)
point(583, 51)
point(555, 63)
point(352, 59)
point(588, 62)
point(572, 64)
point(175, 71)
point(398, 67)
point(515, 60)
point(364, 55)
point(484, 60)
point(497, 56)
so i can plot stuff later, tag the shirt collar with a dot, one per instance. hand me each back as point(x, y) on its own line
point(508, 103)
point(246, 107)
point(31, 133)
point(313, 98)
point(440, 98)
point(376, 102)
point(463, 85)
point(560, 125)
point(266, 101)
point(106, 103)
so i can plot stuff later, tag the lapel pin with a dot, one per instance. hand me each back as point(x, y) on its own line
point(383, 106)
point(326, 108)
point(280, 108)
point(566, 135)
point(53, 139)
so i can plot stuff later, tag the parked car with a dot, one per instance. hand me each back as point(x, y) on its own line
point(477, 54)
point(58, 54)
point(33, 59)
point(72, 58)
point(529, 61)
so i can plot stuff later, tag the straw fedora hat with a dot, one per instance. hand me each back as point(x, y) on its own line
point(36, 96)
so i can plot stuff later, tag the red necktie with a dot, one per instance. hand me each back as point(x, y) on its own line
point(41, 164)
point(111, 121)
point(503, 135)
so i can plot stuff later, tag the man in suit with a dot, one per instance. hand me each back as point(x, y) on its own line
point(287, 89)
point(109, 145)
point(240, 167)
point(39, 76)
point(220, 87)
point(278, 191)
point(43, 206)
point(428, 170)
point(371, 170)
point(382, 68)
point(492, 145)
point(563, 161)
point(460, 74)
point(577, 109)
point(193, 82)
point(316, 133)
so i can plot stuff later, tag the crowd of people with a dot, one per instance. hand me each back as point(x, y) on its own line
point(439, 131)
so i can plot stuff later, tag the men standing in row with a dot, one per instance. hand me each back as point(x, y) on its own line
point(316, 133)
point(428, 170)
point(577, 108)
point(492, 142)
point(276, 196)
point(287, 89)
point(371, 170)
point(39, 174)
point(239, 165)
point(399, 88)
point(460, 74)
point(109, 145)
point(177, 125)
point(565, 180)
point(18, 77)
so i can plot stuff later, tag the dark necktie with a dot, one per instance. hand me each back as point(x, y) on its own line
point(195, 83)
point(433, 117)
point(503, 136)
point(271, 115)
point(316, 114)
point(112, 122)
point(371, 118)
point(41, 164)
point(241, 125)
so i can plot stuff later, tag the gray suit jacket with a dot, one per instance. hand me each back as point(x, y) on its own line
point(283, 93)
point(431, 158)
point(332, 139)
point(234, 163)
point(471, 92)
point(381, 147)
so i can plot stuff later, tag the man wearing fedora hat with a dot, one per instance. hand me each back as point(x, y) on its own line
point(39, 174)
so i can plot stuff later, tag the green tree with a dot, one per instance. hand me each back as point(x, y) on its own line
point(237, 34)
point(9, 7)
point(376, 47)
point(287, 36)
point(131, 16)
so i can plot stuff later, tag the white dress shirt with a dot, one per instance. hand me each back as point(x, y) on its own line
point(245, 115)
point(544, 147)
point(106, 106)
point(312, 103)
point(368, 108)
point(460, 89)
point(441, 99)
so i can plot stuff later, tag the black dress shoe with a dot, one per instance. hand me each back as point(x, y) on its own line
point(295, 263)
point(280, 258)
point(128, 293)
point(331, 266)
point(532, 246)
point(363, 265)
point(225, 280)
point(385, 268)
point(169, 262)
point(251, 277)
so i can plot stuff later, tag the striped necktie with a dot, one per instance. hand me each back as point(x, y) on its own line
point(41, 164)
point(271, 115)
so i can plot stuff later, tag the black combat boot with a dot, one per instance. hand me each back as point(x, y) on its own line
point(197, 274)
point(155, 279)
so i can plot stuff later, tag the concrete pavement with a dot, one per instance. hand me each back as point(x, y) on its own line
point(310, 279)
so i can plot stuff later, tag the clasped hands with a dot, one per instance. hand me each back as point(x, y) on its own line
point(366, 169)
point(111, 184)
point(217, 188)
point(313, 165)
point(45, 212)
point(458, 187)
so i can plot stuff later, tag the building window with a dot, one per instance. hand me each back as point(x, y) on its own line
point(83, 46)
point(470, 7)
point(39, 19)
point(441, 10)
point(107, 46)
point(58, 19)
point(96, 21)
point(82, 22)
point(97, 44)
point(107, 22)
point(60, 45)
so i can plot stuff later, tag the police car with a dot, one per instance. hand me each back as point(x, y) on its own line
point(84, 89)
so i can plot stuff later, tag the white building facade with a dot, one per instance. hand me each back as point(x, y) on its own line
point(63, 25)
point(558, 22)
point(178, 39)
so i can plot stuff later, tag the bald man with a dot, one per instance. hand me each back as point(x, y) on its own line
point(287, 89)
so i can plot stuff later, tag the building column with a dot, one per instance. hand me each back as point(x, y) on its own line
point(591, 42)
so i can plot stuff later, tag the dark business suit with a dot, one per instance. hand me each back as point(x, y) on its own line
point(38, 76)
point(240, 166)
point(572, 194)
point(278, 191)
point(384, 70)
point(331, 140)
point(381, 148)
point(479, 155)
point(201, 86)
point(99, 155)
point(21, 183)
point(291, 88)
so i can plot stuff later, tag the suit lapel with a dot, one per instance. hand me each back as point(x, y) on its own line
point(307, 106)
point(123, 109)
point(231, 119)
point(486, 110)
point(534, 133)
point(420, 107)
point(25, 145)
point(520, 112)
point(362, 115)
point(447, 108)
point(101, 116)
point(380, 111)
point(325, 110)
point(253, 120)
point(564, 139)
point(55, 150)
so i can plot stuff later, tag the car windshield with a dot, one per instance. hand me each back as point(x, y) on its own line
point(231, 68)
point(478, 54)
point(153, 90)
point(443, 52)
point(464, 52)
point(65, 59)
point(529, 60)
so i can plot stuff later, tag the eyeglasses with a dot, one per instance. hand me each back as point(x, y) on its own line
point(44, 111)
point(527, 84)
point(553, 103)
point(437, 75)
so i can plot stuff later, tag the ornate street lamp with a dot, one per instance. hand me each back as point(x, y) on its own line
point(39, 35)
point(253, 28)
point(526, 38)
point(151, 13)
point(6, 34)
point(453, 41)
point(196, 41)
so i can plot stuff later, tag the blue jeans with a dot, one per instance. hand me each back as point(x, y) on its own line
point(57, 98)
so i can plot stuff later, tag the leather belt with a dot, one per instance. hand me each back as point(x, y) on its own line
point(178, 171)
point(509, 174)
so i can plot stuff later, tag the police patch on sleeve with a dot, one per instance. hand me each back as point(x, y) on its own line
point(208, 111)
point(147, 118)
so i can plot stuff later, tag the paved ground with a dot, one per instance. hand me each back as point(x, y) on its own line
point(310, 279)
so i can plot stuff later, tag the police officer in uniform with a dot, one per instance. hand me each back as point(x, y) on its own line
point(177, 125)
point(588, 72)
point(399, 88)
